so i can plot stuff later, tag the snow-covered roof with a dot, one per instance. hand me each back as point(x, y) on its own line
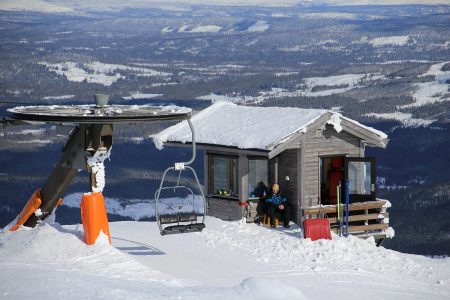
point(246, 127)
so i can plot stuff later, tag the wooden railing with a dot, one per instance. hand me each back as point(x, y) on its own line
point(365, 218)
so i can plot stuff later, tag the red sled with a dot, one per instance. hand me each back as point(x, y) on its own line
point(317, 229)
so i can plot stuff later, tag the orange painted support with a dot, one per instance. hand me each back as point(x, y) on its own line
point(32, 205)
point(94, 218)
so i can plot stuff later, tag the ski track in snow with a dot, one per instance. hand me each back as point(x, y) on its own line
point(228, 260)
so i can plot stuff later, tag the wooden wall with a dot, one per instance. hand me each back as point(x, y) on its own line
point(317, 143)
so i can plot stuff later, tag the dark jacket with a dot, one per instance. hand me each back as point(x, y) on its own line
point(276, 199)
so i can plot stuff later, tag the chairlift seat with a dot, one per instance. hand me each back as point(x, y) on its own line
point(173, 229)
point(182, 221)
point(180, 228)
point(168, 219)
point(187, 217)
point(196, 226)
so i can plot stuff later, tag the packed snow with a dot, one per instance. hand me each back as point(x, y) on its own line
point(227, 260)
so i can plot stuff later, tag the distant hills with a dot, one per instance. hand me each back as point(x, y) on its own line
point(72, 6)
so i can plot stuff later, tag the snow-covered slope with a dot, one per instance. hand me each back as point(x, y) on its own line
point(228, 260)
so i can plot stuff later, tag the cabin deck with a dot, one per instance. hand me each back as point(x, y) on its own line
point(365, 218)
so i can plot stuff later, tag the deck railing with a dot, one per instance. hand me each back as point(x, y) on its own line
point(365, 218)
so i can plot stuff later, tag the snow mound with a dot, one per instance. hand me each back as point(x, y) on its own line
point(54, 262)
point(52, 246)
point(228, 260)
point(292, 251)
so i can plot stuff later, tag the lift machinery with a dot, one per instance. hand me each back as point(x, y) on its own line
point(88, 145)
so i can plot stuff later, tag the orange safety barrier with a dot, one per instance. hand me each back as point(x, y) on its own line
point(93, 217)
point(32, 205)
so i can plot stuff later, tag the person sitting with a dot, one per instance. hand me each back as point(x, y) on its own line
point(276, 203)
point(260, 190)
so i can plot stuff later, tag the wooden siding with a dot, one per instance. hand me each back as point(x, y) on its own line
point(327, 143)
point(225, 209)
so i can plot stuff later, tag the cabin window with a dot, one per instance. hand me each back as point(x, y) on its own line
point(223, 175)
point(258, 176)
point(359, 175)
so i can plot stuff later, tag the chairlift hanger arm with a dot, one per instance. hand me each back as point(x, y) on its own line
point(161, 219)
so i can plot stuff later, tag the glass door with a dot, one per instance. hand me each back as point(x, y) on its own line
point(360, 172)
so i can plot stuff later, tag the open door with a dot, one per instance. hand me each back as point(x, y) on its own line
point(360, 172)
point(331, 174)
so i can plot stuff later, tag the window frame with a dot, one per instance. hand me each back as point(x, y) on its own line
point(249, 158)
point(232, 178)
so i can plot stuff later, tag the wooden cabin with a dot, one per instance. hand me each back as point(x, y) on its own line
point(306, 151)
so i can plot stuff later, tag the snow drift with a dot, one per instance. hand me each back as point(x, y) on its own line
point(228, 260)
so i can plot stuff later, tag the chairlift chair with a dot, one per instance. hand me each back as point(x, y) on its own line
point(180, 222)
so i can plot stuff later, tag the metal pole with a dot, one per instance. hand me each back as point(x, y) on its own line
point(347, 200)
point(338, 207)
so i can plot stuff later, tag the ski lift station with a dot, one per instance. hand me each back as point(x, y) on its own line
point(316, 156)
point(308, 152)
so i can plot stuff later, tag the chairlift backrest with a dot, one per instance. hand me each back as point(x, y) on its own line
point(182, 222)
